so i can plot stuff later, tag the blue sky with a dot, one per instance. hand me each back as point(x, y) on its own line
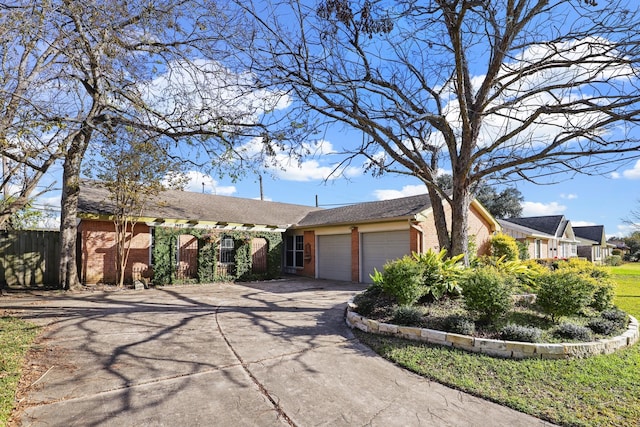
point(584, 200)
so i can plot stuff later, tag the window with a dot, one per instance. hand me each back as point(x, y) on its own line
point(537, 249)
point(294, 251)
point(227, 250)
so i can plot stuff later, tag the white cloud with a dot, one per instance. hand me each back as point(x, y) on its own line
point(633, 173)
point(541, 209)
point(199, 92)
point(407, 190)
point(614, 175)
point(519, 99)
point(625, 230)
point(317, 167)
point(582, 223)
point(568, 196)
point(195, 181)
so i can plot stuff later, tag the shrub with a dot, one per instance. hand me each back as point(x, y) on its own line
point(487, 292)
point(513, 332)
point(407, 315)
point(402, 279)
point(603, 294)
point(371, 300)
point(617, 316)
point(603, 326)
point(459, 325)
point(523, 250)
point(573, 332)
point(613, 260)
point(582, 266)
point(440, 274)
point(503, 245)
point(564, 293)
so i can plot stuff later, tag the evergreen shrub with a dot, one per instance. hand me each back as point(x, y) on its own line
point(487, 292)
point(512, 332)
point(573, 332)
point(564, 293)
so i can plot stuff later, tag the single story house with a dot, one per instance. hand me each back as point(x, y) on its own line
point(592, 243)
point(545, 236)
point(344, 243)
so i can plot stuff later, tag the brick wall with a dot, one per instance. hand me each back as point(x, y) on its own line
point(98, 249)
point(478, 226)
point(355, 255)
point(309, 239)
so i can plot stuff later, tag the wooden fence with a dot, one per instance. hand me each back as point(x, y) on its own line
point(29, 258)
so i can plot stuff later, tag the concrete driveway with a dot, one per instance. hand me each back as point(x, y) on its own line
point(264, 354)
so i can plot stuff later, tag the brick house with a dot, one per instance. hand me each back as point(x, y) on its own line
point(344, 243)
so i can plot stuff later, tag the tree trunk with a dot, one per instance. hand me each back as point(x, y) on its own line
point(69, 209)
point(460, 219)
point(440, 218)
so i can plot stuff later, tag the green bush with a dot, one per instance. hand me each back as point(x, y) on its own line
point(523, 250)
point(440, 275)
point(573, 332)
point(613, 260)
point(371, 301)
point(603, 294)
point(513, 332)
point(503, 245)
point(564, 293)
point(617, 316)
point(402, 279)
point(582, 266)
point(603, 326)
point(487, 292)
point(407, 315)
point(459, 325)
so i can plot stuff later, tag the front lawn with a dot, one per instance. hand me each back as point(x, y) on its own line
point(599, 391)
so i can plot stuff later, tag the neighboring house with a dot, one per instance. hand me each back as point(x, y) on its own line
point(545, 236)
point(616, 243)
point(344, 243)
point(592, 243)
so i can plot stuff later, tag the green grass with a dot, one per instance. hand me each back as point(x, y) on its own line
point(598, 391)
point(16, 337)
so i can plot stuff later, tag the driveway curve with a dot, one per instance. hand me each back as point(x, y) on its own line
point(272, 353)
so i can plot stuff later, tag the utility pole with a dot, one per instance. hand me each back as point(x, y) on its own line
point(261, 192)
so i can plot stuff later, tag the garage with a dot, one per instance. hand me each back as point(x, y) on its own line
point(334, 257)
point(380, 247)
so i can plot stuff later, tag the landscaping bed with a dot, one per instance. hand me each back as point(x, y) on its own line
point(569, 302)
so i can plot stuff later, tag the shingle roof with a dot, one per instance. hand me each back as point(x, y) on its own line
point(184, 205)
point(547, 224)
point(384, 209)
point(591, 232)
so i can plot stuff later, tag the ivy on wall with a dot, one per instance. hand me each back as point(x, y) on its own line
point(209, 268)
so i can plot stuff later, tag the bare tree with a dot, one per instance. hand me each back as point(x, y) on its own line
point(500, 90)
point(29, 142)
point(158, 66)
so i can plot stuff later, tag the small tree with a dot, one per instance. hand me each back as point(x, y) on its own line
point(135, 169)
point(506, 246)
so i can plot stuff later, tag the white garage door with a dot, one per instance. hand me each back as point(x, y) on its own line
point(334, 257)
point(378, 248)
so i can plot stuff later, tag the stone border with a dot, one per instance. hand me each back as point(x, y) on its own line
point(498, 348)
